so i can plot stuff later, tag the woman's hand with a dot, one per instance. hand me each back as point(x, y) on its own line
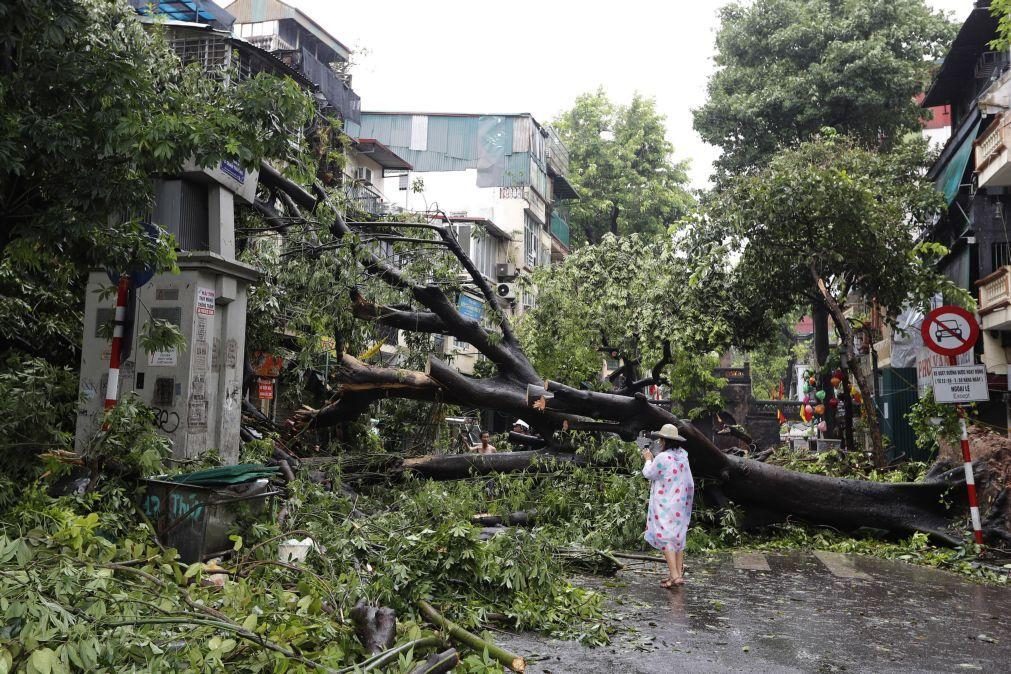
point(647, 455)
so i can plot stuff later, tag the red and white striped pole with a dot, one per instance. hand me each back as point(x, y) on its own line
point(970, 478)
point(112, 387)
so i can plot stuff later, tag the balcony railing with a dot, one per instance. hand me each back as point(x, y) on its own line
point(560, 228)
point(364, 198)
point(557, 154)
point(990, 143)
point(337, 92)
point(994, 291)
point(993, 166)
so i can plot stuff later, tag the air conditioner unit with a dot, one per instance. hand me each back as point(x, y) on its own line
point(363, 174)
point(506, 291)
point(505, 271)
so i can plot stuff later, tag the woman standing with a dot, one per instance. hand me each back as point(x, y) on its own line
point(670, 500)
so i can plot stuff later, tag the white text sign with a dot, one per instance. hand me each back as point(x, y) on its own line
point(960, 384)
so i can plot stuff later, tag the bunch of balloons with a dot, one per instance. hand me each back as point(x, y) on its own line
point(817, 401)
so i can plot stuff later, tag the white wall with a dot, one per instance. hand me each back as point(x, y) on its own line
point(358, 160)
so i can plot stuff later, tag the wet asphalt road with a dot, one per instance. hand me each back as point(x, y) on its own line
point(809, 612)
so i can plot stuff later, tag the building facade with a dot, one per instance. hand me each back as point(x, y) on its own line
point(500, 178)
point(974, 174)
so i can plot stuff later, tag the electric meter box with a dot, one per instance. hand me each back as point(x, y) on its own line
point(195, 391)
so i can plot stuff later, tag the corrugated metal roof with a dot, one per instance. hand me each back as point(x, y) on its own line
point(463, 143)
point(454, 143)
point(392, 130)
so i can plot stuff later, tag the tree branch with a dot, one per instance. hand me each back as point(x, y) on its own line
point(396, 317)
point(448, 235)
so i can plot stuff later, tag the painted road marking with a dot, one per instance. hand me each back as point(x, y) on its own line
point(750, 561)
point(840, 565)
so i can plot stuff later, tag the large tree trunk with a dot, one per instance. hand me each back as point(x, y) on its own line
point(846, 332)
point(550, 407)
point(458, 466)
point(901, 508)
point(819, 317)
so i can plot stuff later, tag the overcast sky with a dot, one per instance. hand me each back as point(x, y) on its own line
point(535, 56)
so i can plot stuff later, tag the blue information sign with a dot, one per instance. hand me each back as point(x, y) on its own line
point(470, 307)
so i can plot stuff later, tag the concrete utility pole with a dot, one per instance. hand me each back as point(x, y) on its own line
point(196, 391)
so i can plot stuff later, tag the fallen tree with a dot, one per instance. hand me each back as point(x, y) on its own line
point(516, 389)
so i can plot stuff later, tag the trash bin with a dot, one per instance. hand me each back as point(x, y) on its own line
point(195, 515)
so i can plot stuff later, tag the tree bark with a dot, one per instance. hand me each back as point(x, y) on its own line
point(613, 220)
point(846, 332)
point(458, 466)
point(376, 627)
point(819, 316)
point(439, 663)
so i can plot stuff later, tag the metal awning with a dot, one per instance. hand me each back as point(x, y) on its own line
point(563, 188)
point(381, 154)
point(485, 223)
point(957, 68)
point(949, 179)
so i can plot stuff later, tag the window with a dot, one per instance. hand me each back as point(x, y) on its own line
point(1001, 251)
point(529, 300)
point(485, 252)
point(258, 29)
point(531, 241)
point(480, 246)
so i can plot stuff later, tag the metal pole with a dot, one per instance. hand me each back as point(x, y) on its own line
point(112, 386)
point(970, 478)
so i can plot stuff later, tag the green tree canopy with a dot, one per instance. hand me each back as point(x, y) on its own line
point(826, 220)
point(92, 105)
point(635, 293)
point(787, 68)
point(622, 165)
point(832, 210)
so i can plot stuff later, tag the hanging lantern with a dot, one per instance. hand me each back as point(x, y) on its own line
point(809, 410)
point(833, 402)
point(820, 395)
point(835, 381)
point(822, 426)
point(837, 374)
point(819, 410)
point(807, 399)
point(812, 381)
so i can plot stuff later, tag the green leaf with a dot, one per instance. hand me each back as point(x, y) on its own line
point(42, 661)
